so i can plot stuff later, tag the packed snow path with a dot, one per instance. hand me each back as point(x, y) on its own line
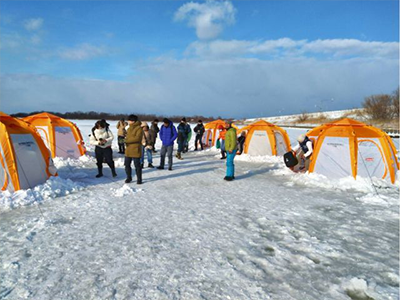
point(187, 234)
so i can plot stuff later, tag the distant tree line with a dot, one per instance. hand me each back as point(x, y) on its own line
point(92, 115)
point(382, 106)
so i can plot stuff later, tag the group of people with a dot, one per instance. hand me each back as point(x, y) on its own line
point(137, 140)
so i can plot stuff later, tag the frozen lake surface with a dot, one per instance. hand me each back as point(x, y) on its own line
point(187, 234)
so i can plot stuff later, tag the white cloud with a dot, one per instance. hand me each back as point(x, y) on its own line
point(230, 87)
point(36, 39)
point(209, 18)
point(33, 24)
point(338, 48)
point(82, 52)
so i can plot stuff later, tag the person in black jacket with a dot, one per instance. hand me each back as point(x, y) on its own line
point(199, 131)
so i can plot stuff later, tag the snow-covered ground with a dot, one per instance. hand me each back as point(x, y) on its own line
point(187, 234)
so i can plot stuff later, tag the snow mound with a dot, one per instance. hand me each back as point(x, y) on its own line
point(52, 188)
point(357, 289)
point(260, 159)
point(84, 161)
point(125, 190)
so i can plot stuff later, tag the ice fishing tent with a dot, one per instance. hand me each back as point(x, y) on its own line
point(211, 135)
point(212, 132)
point(264, 138)
point(350, 148)
point(25, 160)
point(61, 136)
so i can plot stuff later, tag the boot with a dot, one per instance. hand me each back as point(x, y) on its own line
point(100, 171)
point(114, 174)
point(139, 176)
point(129, 179)
point(150, 166)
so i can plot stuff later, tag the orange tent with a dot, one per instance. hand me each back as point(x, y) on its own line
point(24, 158)
point(61, 136)
point(264, 138)
point(211, 135)
point(350, 148)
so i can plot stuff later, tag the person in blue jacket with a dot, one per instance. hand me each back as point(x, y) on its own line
point(168, 135)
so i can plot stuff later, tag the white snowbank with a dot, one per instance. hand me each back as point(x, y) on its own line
point(52, 188)
point(357, 289)
point(125, 190)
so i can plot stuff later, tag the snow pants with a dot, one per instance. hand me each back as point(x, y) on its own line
point(166, 150)
point(138, 167)
point(104, 154)
point(149, 154)
point(121, 144)
point(199, 138)
point(181, 145)
point(230, 166)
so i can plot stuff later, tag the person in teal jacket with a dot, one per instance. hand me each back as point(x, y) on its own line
point(230, 148)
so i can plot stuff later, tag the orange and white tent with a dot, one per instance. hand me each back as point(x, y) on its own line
point(264, 138)
point(212, 132)
point(25, 160)
point(211, 135)
point(61, 136)
point(350, 148)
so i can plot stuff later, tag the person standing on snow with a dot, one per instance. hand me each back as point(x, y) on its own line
point(121, 125)
point(154, 130)
point(102, 138)
point(231, 148)
point(222, 132)
point(146, 146)
point(133, 141)
point(241, 140)
point(168, 135)
point(182, 137)
point(188, 137)
point(199, 131)
point(306, 149)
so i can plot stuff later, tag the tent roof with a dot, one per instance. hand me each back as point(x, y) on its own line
point(44, 115)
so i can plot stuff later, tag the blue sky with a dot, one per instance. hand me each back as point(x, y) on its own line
point(228, 58)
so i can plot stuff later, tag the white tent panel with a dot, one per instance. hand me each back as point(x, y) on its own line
point(281, 148)
point(66, 145)
point(333, 159)
point(259, 143)
point(44, 134)
point(370, 158)
point(30, 162)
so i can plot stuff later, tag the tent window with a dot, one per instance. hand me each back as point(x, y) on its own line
point(370, 159)
point(66, 145)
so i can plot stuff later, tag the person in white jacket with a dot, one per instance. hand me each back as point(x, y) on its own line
point(303, 150)
point(102, 138)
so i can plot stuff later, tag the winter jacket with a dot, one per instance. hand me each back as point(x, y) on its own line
point(154, 130)
point(133, 140)
point(199, 129)
point(168, 134)
point(231, 139)
point(183, 131)
point(222, 134)
point(104, 134)
point(306, 146)
point(146, 141)
point(121, 128)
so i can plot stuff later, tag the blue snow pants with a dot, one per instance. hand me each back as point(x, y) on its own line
point(230, 166)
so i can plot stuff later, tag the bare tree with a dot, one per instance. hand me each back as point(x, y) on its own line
point(378, 106)
point(395, 103)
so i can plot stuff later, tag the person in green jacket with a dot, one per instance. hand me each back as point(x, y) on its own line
point(230, 148)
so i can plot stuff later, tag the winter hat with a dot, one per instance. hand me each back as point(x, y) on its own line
point(132, 118)
point(301, 138)
point(183, 119)
point(144, 124)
